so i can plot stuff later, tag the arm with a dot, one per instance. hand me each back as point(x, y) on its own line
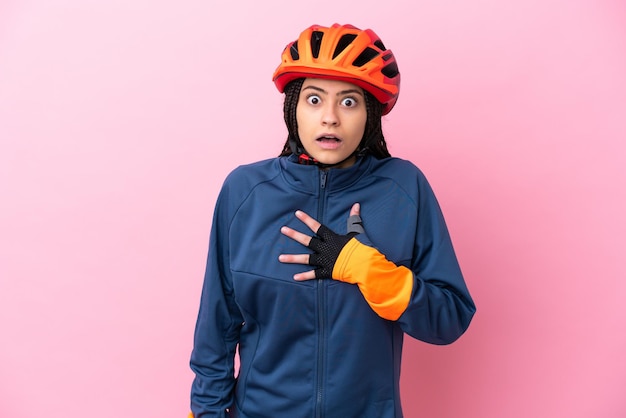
point(385, 286)
point(217, 327)
point(430, 300)
point(440, 307)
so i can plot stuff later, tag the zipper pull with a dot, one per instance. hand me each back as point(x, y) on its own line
point(323, 179)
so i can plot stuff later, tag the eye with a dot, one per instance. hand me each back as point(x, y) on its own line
point(313, 99)
point(349, 102)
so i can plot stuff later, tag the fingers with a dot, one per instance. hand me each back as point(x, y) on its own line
point(308, 221)
point(294, 258)
point(313, 224)
point(307, 275)
point(303, 239)
point(355, 224)
point(298, 259)
point(356, 209)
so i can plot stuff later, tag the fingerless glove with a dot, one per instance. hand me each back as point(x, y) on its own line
point(386, 287)
point(327, 246)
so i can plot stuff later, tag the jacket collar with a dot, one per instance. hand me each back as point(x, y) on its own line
point(308, 178)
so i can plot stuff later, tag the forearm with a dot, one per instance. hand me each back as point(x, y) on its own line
point(438, 312)
point(212, 361)
point(215, 342)
point(434, 311)
point(386, 287)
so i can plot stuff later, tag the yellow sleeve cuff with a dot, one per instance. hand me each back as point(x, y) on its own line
point(386, 287)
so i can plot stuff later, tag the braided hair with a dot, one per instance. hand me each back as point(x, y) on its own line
point(373, 141)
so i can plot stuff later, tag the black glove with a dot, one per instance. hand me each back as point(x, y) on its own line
point(328, 245)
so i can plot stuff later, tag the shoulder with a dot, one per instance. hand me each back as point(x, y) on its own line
point(241, 181)
point(404, 175)
point(249, 175)
point(397, 169)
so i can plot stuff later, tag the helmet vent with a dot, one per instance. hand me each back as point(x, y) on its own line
point(343, 43)
point(366, 56)
point(390, 70)
point(316, 43)
point(295, 55)
point(380, 45)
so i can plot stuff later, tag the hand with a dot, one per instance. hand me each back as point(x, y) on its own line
point(326, 244)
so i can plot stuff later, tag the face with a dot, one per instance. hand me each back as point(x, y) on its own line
point(331, 119)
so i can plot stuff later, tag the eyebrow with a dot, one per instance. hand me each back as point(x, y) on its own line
point(342, 92)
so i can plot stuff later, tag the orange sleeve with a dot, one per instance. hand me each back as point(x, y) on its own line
point(386, 287)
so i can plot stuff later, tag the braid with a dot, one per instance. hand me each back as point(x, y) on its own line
point(292, 94)
point(373, 141)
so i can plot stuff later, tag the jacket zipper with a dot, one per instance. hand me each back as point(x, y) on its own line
point(321, 311)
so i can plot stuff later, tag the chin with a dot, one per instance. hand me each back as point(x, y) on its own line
point(344, 161)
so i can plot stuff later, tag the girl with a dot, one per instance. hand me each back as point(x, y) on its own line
point(318, 309)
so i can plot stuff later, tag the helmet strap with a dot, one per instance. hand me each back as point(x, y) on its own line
point(305, 159)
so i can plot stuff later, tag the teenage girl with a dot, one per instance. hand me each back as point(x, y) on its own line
point(322, 259)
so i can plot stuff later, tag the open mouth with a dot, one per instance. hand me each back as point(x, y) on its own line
point(328, 138)
point(329, 142)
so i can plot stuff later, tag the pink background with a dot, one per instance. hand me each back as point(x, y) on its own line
point(120, 119)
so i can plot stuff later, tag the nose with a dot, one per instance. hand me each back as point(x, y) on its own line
point(330, 116)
